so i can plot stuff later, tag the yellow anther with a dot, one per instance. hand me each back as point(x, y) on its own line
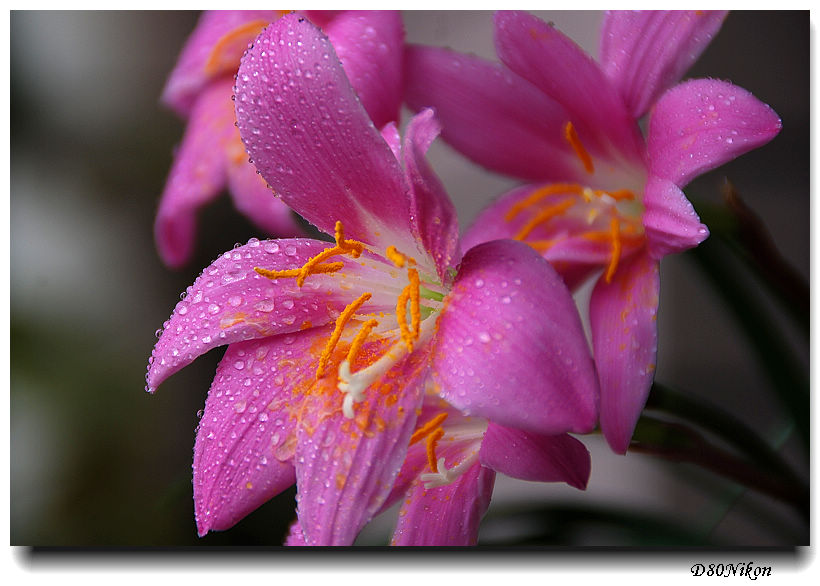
point(361, 336)
point(228, 49)
point(541, 245)
point(412, 294)
point(543, 216)
point(539, 194)
point(617, 195)
point(572, 138)
point(331, 267)
point(343, 318)
point(352, 247)
point(615, 233)
point(432, 440)
point(427, 428)
point(394, 255)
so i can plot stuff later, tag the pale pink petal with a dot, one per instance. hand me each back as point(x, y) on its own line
point(645, 52)
point(493, 116)
point(390, 134)
point(539, 53)
point(252, 196)
point(702, 124)
point(313, 142)
point(529, 456)
point(247, 435)
point(370, 45)
point(230, 302)
point(198, 173)
point(213, 50)
point(345, 468)
point(623, 317)
point(510, 345)
point(670, 221)
point(434, 219)
point(446, 515)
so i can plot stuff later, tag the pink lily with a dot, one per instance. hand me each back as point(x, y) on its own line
point(332, 347)
point(211, 156)
point(603, 197)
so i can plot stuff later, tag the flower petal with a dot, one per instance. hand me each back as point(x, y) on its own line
point(702, 124)
point(446, 515)
point(670, 221)
point(230, 302)
point(623, 317)
point(370, 45)
point(246, 437)
point(552, 62)
point(345, 468)
point(529, 456)
point(510, 345)
point(213, 50)
point(295, 537)
point(434, 218)
point(645, 52)
point(493, 116)
point(198, 173)
point(312, 141)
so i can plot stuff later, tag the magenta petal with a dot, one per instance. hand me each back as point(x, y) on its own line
point(313, 142)
point(670, 221)
point(434, 218)
point(197, 64)
point(253, 197)
point(295, 537)
point(198, 173)
point(370, 45)
point(246, 437)
point(645, 52)
point(493, 116)
point(510, 345)
point(623, 317)
point(230, 302)
point(446, 515)
point(345, 468)
point(529, 456)
point(539, 53)
point(702, 124)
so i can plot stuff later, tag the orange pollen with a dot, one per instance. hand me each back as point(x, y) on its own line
point(356, 346)
point(397, 257)
point(615, 232)
point(427, 428)
point(228, 49)
point(543, 216)
point(618, 195)
point(572, 138)
point(331, 267)
point(432, 440)
point(539, 194)
point(343, 318)
point(410, 293)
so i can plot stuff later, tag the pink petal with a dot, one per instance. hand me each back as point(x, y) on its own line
point(493, 116)
point(644, 53)
point(198, 173)
point(702, 124)
point(313, 142)
point(246, 437)
point(623, 317)
point(370, 45)
point(446, 515)
point(529, 456)
point(295, 537)
point(253, 197)
point(670, 221)
point(230, 302)
point(345, 468)
point(539, 53)
point(510, 345)
point(205, 58)
point(434, 218)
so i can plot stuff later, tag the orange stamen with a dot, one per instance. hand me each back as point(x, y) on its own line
point(294, 273)
point(615, 232)
point(432, 440)
point(356, 346)
point(543, 216)
point(539, 194)
point(228, 49)
point(427, 428)
point(343, 318)
point(394, 255)
point(617, 195)
point(410, 293)
point(572, 138)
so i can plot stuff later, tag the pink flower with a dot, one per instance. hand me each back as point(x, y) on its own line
point(604, 198)
point(332, 347)
point(212, 157)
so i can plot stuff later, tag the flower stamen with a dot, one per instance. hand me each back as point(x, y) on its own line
point(432, 440)
point(615, 232)
point(341, 321)
point(427, 428)
point(571, 136)
point(410, 293)
point(544, 216)
point(541, 193)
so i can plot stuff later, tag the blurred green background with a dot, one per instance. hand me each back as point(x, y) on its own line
point(95, 461)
